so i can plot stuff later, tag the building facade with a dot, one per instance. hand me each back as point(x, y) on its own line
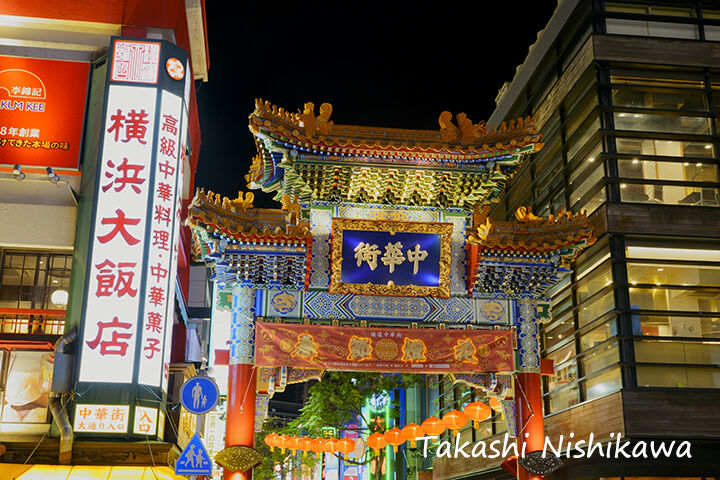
point(626, 97)
point(56, 169)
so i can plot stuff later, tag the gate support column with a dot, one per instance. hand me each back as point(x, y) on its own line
point(240, 415)
point(528, 385)
point(528, 395)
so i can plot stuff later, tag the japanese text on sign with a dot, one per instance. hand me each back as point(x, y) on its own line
point(145, 421)
point(113, 296)
point(101, 418)
point(380, 257)
point(366, 252)
point(41, 109)
point(159, 274)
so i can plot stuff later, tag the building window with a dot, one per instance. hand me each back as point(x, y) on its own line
point(675, 171)
point(602, 384)
point(675, 296)
point(579, 192)
point(678, 377)
point(647, 122)
point(664, 148)
point(664, 100)
point(648, 27)
point(657, 325)
point(29, 279)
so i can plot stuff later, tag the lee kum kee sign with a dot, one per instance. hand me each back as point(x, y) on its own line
point(383, 349)
point(42, 103)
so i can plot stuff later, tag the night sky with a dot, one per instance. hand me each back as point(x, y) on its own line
point(386, 64)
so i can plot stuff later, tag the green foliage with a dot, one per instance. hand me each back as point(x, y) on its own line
point(333, 402)
point(287, 461)
point(340, 397)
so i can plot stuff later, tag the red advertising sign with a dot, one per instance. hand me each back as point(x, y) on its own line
point(42, 103)
point(383, 349)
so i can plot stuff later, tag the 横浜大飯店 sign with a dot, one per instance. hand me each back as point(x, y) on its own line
point(383, 349)
point(383, 257)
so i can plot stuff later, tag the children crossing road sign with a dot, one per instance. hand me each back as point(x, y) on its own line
point(194, 460)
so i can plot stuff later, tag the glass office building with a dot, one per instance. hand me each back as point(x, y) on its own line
point(627, 97)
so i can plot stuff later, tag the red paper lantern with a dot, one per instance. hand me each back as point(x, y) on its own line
point(331, 445)
point(376, 441)
point(346, 445)
point(395, 438)
point(495, 404)
point(433, 426)
point(304, 444)
point(477, 412)
point(282, 442)
point(271, 440)
point(455, 420)
point(411, 432)
point(293, 443)
point(317, 445)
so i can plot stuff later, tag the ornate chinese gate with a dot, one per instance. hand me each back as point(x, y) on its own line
point(382, 230)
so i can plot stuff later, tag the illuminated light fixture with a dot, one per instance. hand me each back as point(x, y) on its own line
point(660, 269)
point(636, 116)
point(17, 171)
point(708, 146)
point(698, 164)
point(621, 115)
point(686, 164)
point(635, 161)
point(634, 282)
point(52, 176)
point(623, 185)
point(591, 159)
point(59, 297)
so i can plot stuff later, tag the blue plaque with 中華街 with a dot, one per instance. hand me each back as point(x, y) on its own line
point(199, 394)
point(388, 257)
point(403, 258)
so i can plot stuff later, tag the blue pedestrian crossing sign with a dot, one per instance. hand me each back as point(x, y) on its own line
point(194, 460)
point(199, 394)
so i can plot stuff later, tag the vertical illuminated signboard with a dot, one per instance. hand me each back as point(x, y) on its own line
point(130, 284)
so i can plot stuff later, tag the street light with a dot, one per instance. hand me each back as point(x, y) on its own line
point(52, 176)
point(17, 171)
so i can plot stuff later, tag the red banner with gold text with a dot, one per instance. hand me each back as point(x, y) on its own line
point(380, 349)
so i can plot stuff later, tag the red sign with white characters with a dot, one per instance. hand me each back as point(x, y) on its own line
point(42, 103)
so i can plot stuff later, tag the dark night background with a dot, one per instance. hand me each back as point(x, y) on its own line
point(390, 64)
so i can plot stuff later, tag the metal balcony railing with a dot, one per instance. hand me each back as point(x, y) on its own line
point(32, 321)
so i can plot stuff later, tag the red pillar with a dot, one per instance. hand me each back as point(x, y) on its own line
point(528, 399)
point(240, 415)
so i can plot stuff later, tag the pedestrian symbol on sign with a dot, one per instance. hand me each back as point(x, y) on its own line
point(199, 400)
point(199, 394)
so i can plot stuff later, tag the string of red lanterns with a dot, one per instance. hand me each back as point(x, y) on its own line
point(433, 426)
point(309, 444)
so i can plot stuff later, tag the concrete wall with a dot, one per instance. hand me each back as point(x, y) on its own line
point(40, 227)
